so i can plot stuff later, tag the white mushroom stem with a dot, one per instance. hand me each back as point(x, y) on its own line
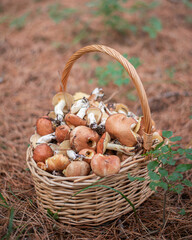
point(47, 138)
point(120, 148)
point(123, 112)
point(71, 154)
point(59, 109)
point(98, 92)
point(130, 114)
point(92, 119)
point(82, 111)
point(78, 105)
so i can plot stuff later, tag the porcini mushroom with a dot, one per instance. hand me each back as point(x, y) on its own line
point(105, 165)
point(88, 154)
point(60, 101)
point(62, 133)
point(42, 152)
point(83, 137)
point(93, 117)
point(120, 127)
point(77, 168)
point(44, 126)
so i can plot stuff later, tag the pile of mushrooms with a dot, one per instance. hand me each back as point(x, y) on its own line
point(84, 135)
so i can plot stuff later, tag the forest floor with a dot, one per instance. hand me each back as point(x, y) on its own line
point(34, 49)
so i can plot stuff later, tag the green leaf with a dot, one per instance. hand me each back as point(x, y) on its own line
point(183, 167)
point(165, 149)
point(189, 156)
point(131, 178)
point(153, 27)
point(152, 165)
point(52, 214)
point(19, 22)
point(163, 172)
point(159, 145)
point(163, 185)
point(177, 188)
point(175, 139)
point(153, 176)
point(153, 186)
point(10, 226)
point(135, 62)
point(3, 199)
point(182, 212)
point(189, 150)
point(181, 151)
point(167, 134)
point(187, 183)
point(175, 176)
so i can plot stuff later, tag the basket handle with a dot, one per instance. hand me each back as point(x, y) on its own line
point(130, 70)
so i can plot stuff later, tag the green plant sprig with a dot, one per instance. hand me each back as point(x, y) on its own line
point(162, 156)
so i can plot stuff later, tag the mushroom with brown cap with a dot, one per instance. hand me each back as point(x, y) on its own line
point(44, 126)
point(58, 162)
point(62, 133)
point(120, 127)
point(61, 101)
point(88, 154)
point(77, 168)
point(104, 166)
point(104, 144)
point(83, 137)
point(72, 119)
point(42, 152)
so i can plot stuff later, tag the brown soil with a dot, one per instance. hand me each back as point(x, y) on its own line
point(31, 63)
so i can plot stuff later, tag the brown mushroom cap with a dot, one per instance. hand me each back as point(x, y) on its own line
point(119, 126)
point(42, 152)
point(88, 153)
point(83, 137)
point(62, 133)
point(102, 144)
point(105, 165)
point(74, 120)
point(44, 126)
point(77, 168)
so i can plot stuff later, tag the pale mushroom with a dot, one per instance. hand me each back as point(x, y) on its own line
point(61, 101)
point(105, 165)
point(121, 108)
point(83, 137)
point(93, 117)
point(78, 105)
point(57, 162)
point(79, 95)
point(46, 138)
point(96, 93)
point(33, 139)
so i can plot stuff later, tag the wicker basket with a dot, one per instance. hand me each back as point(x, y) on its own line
point(97, 205)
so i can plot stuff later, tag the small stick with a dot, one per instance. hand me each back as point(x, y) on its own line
point(112, 95)
point(85, 178)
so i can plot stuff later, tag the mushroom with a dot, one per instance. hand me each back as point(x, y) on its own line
point(121, 108)
point(79, 104)
point(57, 162)
point(62, 133)
point(52, 115)
point(44, 126)
point(77, 168)
point(46, 138)
point(82, 112)
point(33, 139)
point(88, 154)
point(104, 144)
point(61, 101)
point(105, 165)
point(63, 147)
point(72, 155)
point(79, 95)
point(72, 119)
point(119, 126)
point(96, 93)
point(142, 127)
point(83, 137)
point(42, 152)
point(157, 136)
point(93, 117)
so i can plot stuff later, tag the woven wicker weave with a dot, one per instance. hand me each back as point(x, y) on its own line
point(97, 205)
